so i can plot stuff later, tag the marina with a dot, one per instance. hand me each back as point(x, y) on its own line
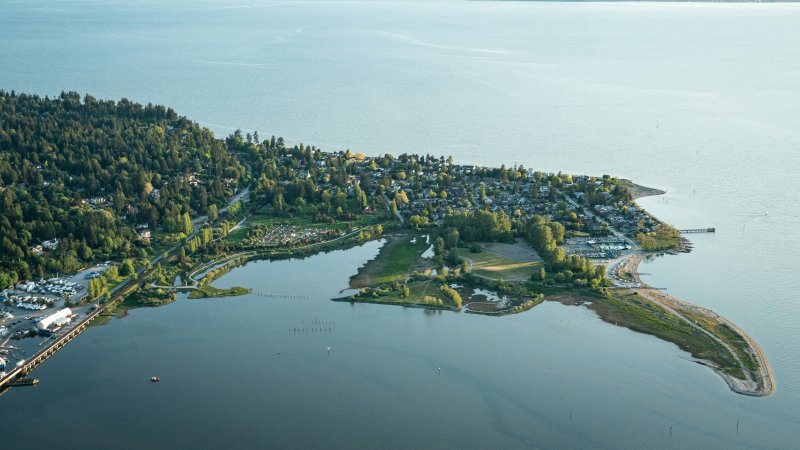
point(24, 367)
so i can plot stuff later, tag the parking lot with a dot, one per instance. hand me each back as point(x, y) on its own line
point(613, 274)
point(600, 248)
point(289, 235)
point(28, 303)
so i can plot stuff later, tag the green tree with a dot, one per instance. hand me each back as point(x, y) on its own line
point(401, 197)
point(438, 246)
point(126, 268)
point(452, 257)
point(451, 237)
point(187, 223)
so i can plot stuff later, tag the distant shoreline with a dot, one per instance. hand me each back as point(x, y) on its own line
point(640, 1)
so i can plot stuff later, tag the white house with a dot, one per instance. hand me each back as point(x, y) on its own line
point(52, 244)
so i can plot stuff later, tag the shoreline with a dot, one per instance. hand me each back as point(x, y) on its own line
point(764, 383)
point(638, 191)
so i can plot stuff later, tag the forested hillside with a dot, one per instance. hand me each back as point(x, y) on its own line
point(86, 172)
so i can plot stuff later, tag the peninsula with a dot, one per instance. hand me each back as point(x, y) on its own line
point(137, 203)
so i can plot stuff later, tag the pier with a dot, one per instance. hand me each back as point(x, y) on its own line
point(48, 351)
point(278, 295)
point(59, 342)
point(698, 230)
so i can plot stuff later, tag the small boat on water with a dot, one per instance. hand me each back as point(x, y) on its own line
point(155, 379)
point(24, 382)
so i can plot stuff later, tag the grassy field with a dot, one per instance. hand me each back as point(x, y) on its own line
point(494, 266)
point(397, 258)
point(236, 236)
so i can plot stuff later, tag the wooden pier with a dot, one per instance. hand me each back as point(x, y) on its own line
point(698, 230)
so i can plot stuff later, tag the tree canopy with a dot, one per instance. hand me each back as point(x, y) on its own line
point(86, 171)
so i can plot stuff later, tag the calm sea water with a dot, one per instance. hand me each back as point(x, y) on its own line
point(701, 100)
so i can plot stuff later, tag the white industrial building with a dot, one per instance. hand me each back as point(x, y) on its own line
point(55, 321)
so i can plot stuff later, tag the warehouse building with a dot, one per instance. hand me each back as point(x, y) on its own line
point(54, 321)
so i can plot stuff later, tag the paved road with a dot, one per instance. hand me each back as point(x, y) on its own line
point(389, 208)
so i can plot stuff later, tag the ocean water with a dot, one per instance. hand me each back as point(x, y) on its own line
point(702, 100)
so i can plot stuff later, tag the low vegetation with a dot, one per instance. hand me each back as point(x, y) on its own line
point(212, 291)
point(646, 317)
point(149, 297)
point(399, 256)
point(424, 293)
point(663, 238)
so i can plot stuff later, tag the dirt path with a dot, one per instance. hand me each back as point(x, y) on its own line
point(762, 386)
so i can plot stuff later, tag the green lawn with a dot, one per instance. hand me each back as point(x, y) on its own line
point(236, 236)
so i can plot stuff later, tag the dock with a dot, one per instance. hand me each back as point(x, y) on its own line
point(14, 377)
point(18, 374)
point(25, 382)
point(698, 230)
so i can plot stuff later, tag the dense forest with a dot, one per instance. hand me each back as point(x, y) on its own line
point(86, 172)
